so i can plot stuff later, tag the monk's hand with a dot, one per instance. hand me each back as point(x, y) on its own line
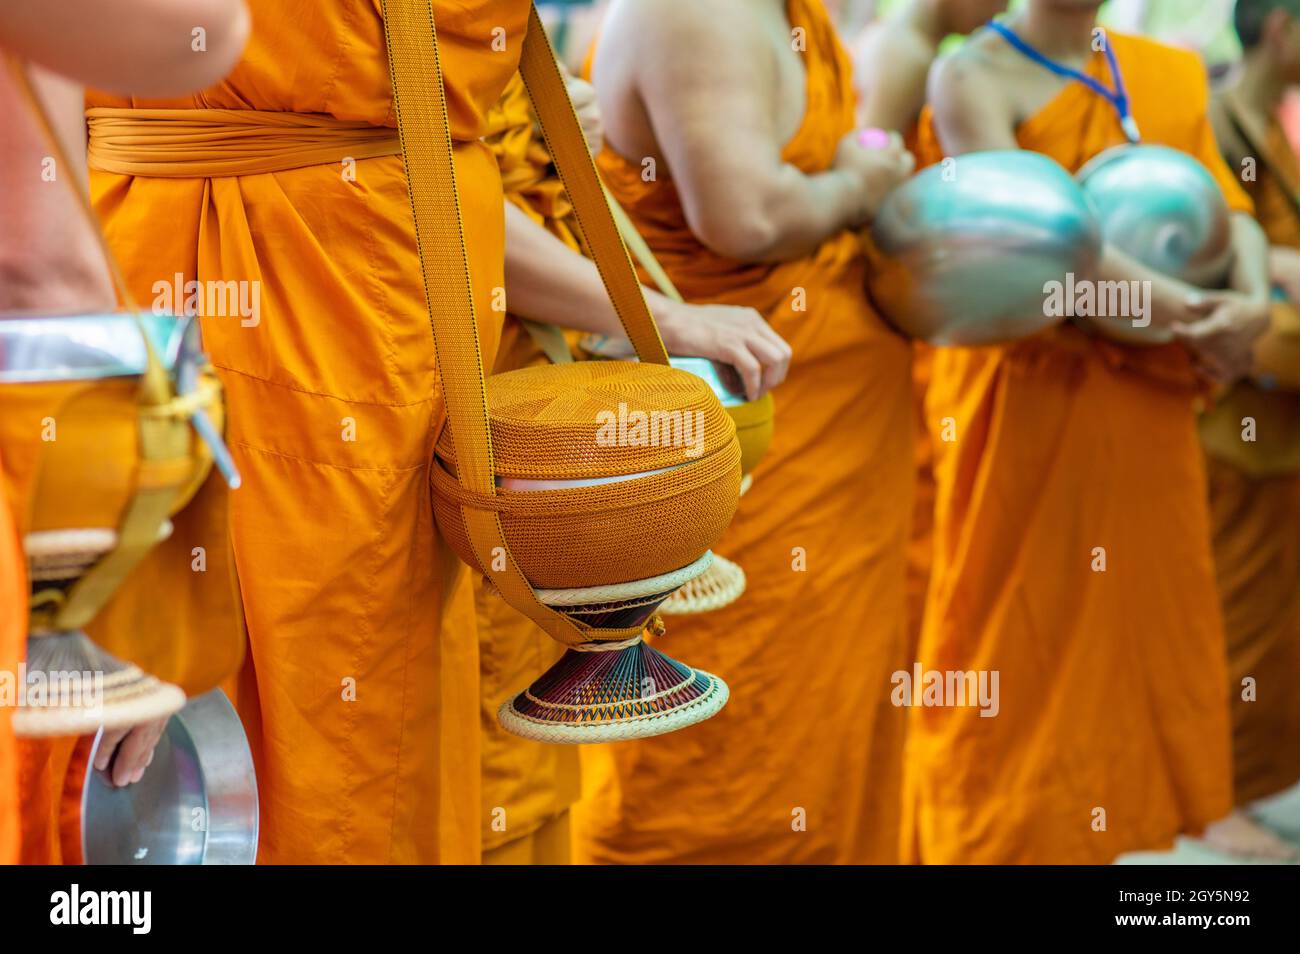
point(583, 96)
point(125, 753)
point(875, 170)
point(1221, 330)
point(728, 334)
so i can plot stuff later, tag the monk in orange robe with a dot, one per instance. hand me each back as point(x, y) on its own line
point(360, 694)
point(1072, 543)
point(51, 262)
point(1252, 446)
point(730, 141)
point(891, 60)
point(529, 786)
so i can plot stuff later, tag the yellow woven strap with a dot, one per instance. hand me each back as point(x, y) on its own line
point(165, 462)
point(549, 339)
point(424, 129)
point(639, 248)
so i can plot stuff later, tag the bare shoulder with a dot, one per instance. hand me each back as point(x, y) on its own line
point(889, 48)
point(975, 70)
point(690, 49)
point(659, 26)
point(970, 92)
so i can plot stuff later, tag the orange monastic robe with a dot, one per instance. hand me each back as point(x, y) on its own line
point(13, 633)
point(803, 763)
point(1072, 559)
point(1255, 513)
point(360, 691)
point(527, 786)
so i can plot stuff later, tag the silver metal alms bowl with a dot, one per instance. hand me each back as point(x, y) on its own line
point(1162, 207)
point(961, 252)
point(195, 805)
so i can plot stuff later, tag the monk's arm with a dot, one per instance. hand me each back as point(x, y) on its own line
point(549, 282)
point(49, 258)
point(1175, 302)
point(1250, 271)
point(892, 72)
point(710, 87)
point(1226, 325)
point(970, 113)
point(142, 47)
point(1168, 296)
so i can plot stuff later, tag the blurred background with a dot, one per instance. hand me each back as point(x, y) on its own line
point(1201, 25)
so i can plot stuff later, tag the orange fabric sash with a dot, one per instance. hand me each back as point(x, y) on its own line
point(208, 143)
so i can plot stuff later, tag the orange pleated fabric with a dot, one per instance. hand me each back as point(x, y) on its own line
point(1112, 729)
point(1255, 509)
point(13, 634)
point(802, 764)
point(920, 547)
point(527, 786)
point(52, 776)
point(360, 690)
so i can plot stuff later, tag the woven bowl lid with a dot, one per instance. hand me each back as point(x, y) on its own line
point(598, 419)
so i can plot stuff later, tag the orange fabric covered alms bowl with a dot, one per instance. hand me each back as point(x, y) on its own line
point(606, 472)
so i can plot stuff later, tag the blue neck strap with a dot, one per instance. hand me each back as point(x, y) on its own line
point(1118, 98)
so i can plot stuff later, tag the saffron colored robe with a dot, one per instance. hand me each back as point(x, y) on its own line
point(527, 786)
point(360, 690)
point(1072, 558)
point(1255, 513)
point(13, 635)
point(802, 763)
point(920, 547)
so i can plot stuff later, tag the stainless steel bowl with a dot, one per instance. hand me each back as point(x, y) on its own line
point(195, 805)
point(961, 252)
point(90, 347)
point(1162, 207)
point(723, 379)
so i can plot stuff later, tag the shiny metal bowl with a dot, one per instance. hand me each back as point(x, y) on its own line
point(723, 379)
point(195, 805)
point(962, 252)
point(1162, 207)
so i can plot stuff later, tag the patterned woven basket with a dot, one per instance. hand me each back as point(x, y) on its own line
point(566, 477)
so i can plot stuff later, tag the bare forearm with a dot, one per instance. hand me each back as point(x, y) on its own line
point(549, 282)
point(144, 47)
point(1250, 266)
point(43, 266)
point(794, 215)
point(1168, 295)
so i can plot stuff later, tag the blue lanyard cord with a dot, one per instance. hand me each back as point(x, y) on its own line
point(1118, 98)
